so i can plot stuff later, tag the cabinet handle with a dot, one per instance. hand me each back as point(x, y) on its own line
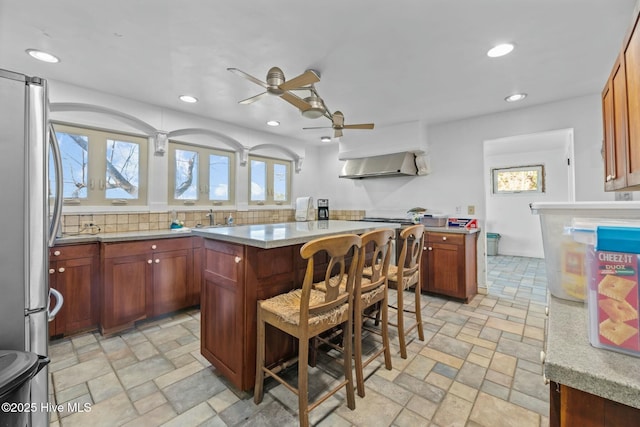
point(149, 261)
point(56, 253)
point(238, 259)
point(52, 270)
point(609, 178)
point(157, 261)
point(430, 248)
point(61, 270)
point(444, 237)
point(424, 248)
point(153, 246)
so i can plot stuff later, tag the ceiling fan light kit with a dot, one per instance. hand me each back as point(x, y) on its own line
point(311, 107)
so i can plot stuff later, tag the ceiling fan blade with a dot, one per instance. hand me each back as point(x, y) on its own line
point(304, 79)
point(359, 126)
point(248, 77)
point(338, 133)
point(296, 101)
point(318, 127)
point(252, 99)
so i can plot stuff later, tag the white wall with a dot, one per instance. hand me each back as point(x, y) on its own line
point(509, 214)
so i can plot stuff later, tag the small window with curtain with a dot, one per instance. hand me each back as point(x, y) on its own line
point(518, 179)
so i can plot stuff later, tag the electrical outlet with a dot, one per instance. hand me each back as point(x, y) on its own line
point(471, 210)
point(458, 209)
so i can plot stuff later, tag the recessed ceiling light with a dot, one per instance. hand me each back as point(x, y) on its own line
point(516, 97)
point(325, 138)
point(273, 123)
point(188, 98)
point(500, 50)
point(42, 56)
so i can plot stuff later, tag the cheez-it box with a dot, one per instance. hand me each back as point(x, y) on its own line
point(613, 301)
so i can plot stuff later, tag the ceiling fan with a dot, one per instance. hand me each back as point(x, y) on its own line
point(278, 86)
point(337, 119)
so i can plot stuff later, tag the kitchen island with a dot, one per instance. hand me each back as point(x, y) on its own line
point(589, 386)
point(244, 264)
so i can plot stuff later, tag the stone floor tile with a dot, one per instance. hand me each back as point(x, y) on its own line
point(138, 392)
point(387, 388)
point(83, 340)
point(70, 393)
point(82, 372)
point(541, 406)
point(503, 363)
point(105, 387)
point(482, 351)
point(463, 391)
point(144, 350)
point(450, 347)
point(423, 407)
point(510, 311)
point(419, 366)
point(453, 411)
point(150, 402)
point(113, 411)
point(505, 325)
point(529, 384)
point(491, 411)
point(144, 371)
point(438, 380)
point(496, 390)
point(420, 388)
point(176, 375)
point(192, 390)
point(153, 418)
point(471, 374)
point(477, 341)
point(222, 400)
point(408, 418)
point(192, 417)
point(446, 370)
point(375, 409)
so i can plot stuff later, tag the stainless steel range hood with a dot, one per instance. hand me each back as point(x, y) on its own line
point(396, 164)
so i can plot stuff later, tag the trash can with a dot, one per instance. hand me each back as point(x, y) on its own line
point(492, 243)
point(16, 370)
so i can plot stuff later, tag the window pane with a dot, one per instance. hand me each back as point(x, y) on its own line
point(186, 183)
point(518, 179)
point(218, 177)
point(258, 180)
point(279, 182)
point(75, 160)
point(123, 174)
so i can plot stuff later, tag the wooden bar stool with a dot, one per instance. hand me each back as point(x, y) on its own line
point(305, 313)
point(368, 292)
point(403, 276)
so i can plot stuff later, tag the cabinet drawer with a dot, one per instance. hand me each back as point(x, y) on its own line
point(453, 238)
point(112, 250)
point(65, 252)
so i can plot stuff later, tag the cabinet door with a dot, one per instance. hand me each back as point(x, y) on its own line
point(615, 128)
point(445, 261)
point(124, 290)
point(76, 278)
point(171, 273)
point(632, 73)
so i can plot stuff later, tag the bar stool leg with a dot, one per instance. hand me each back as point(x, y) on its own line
point(303, 380)
point(419, 312)
point(400, 310)
point(260, 354)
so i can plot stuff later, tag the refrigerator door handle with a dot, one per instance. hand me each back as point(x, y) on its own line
point(57, 206)
point(59, 302)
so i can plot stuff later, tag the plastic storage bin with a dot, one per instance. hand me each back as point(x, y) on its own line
point(613, 289)
point(565, 257)
point(492, 243)
point(434, 220)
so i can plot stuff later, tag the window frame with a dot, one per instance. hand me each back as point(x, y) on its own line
point(540, 183)
point(270, 162)
point(203, 174)
point(97, 165)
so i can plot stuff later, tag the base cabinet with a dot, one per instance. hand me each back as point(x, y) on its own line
point(570, 407)
point(145, 279)
point(448, 264)
point(73, 270)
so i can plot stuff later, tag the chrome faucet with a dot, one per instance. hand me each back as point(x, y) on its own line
point(210, 215)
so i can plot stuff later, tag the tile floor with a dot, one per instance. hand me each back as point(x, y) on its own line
point(478, 366)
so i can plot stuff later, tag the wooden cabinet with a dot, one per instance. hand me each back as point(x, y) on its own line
point(448, 264)
point(235, 278)
point(144, 279)
point(73, 270)
point(570, 407)
point(621, 117)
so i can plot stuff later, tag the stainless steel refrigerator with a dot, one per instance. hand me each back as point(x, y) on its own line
point(28, 223)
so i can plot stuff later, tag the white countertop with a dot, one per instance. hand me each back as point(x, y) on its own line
point(269, 236)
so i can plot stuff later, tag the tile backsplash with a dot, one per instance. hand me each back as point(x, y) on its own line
point(143, 221)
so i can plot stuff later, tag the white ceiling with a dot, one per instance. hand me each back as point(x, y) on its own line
point(380, 61)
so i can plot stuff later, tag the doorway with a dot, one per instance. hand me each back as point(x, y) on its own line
point(508, 213)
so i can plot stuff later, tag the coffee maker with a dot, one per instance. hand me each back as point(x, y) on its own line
point(323, 209)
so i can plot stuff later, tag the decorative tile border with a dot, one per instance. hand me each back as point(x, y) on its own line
point(143, 221)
